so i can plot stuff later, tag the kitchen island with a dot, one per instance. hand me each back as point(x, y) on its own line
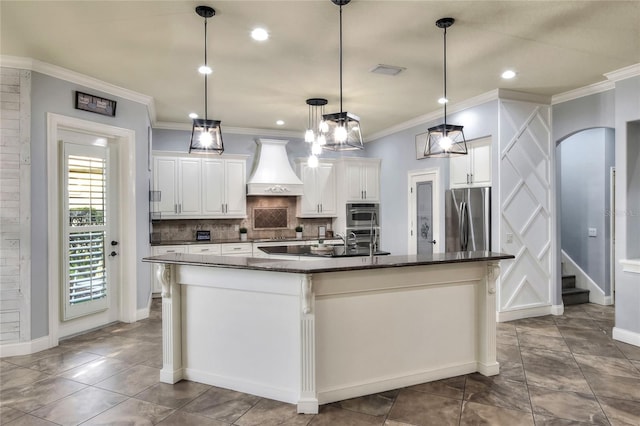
point(315, 332)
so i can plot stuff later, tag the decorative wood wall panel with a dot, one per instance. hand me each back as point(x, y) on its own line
point(526, 188)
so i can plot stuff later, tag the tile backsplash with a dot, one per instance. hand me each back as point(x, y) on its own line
point(267, 217)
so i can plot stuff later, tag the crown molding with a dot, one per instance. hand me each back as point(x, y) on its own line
point(513, 95)
point(435, 115)
point(624, 73)
point(167, 125)
point(80, 79)
point(581, 92)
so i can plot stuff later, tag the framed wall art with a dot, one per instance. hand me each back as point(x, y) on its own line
point(92, 103)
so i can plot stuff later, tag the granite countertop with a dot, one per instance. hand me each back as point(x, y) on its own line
point(331, 251)
point(235, 241)
point(332, 264)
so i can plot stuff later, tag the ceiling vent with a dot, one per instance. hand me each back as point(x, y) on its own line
point(387, 70)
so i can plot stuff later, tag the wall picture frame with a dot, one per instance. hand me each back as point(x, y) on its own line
point(95, 104)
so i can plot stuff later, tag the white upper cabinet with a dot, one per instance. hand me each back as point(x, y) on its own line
point(362, 180)
point(194, 187)
point(224, 188)
point(178, 181)
point(319, 187)
point(473, 169)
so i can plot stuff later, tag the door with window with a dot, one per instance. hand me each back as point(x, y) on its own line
point(89, 245)
point(424, 213)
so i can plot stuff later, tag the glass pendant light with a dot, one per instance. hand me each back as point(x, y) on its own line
point(206, 135)
point(445, 140)
point(342, 128)
point(314, 134)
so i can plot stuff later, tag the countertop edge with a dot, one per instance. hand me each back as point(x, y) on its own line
point(328, 265)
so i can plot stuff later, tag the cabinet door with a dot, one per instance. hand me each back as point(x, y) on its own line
point(371, 181)
point(459, 170)
point(481, 164)
point(235, 188)
point(355, 191)
point(208, 249)
point(326, 189)
point(189, 180)
point(213, 187)
point(309, 202)
point(165, 171)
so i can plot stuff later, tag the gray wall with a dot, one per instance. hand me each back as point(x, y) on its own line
point(627, 203)
point(585, 160)
point(398, 155)
point(50, 94)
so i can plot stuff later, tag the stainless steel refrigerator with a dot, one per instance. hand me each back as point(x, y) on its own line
point(468, 219)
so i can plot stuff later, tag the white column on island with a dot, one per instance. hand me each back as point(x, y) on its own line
point(487, 363)
point(308, 402)
point(171, 326)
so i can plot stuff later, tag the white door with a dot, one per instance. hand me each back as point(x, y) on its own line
point(213, 185)
point(235, 188)
point(89, 243)
point(165, 173)
point(424, 213)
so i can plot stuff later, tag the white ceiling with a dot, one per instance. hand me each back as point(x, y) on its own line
point(155, 48)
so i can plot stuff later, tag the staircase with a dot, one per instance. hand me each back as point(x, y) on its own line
point(572, 295)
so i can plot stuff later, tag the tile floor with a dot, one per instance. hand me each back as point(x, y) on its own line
point(562, 370)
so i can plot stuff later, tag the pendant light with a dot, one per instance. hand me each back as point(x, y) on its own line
point(343, 128)
point(316, 129)
point(445, 140)
point(206, 135)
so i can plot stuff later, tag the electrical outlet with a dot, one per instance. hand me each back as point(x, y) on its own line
point(593, 232)
point(509, 237)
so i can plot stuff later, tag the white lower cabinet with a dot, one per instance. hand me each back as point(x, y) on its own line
point(237, 249)
point(211, 249)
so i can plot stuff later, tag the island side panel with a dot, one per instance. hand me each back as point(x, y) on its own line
point(171, 325)
point(241, 330)
point(486, 304)
point(383, 329)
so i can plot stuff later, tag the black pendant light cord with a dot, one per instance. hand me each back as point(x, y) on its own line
point(446, 100)
point(205, 64)
point(341, 59)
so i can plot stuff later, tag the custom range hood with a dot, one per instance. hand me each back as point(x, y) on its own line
point(272, 174)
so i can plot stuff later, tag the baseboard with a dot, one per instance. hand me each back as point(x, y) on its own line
point(608, 300)
point(557, 309)
point(626, 336)
point(25, 348)
point(517, 314)
point(171, 377)
point(144, 312)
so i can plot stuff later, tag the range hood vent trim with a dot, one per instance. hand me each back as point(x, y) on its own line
point(273, 175)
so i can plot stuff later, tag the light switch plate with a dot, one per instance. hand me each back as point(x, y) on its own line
point(593, 232)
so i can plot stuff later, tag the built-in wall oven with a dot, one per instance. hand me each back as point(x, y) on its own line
point(363, 224)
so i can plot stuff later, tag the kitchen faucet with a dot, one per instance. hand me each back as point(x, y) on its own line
point(346, 237)
point(373, 234)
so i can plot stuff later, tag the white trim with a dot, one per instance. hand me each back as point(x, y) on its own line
point(127, 201)
point(537, 311)
point(143, 313)
point(557, 309)
point(25, 348)
point(626, 336)
point(630, 265)
point(592, 89)
point(583, 280)
point(78, 78)
point(426, 175)
point(624, 73)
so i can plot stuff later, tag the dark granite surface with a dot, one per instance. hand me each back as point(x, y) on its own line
point(331, 251)
point(232, 241)
point(333, 264)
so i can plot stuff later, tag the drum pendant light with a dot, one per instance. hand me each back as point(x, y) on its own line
point(206, 136)
point(445, 140)
point(343, 132)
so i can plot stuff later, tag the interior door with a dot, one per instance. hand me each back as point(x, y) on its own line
point(424, 213)
point(424, 217)
point(89, 244)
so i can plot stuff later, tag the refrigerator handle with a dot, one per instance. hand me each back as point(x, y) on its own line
point(464, 234)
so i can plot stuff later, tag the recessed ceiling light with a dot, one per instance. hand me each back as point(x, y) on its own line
point(193, 115)
point(508, 74)
point(443, 101)
point(280, 123)
point(205, 70)
point(259, 34)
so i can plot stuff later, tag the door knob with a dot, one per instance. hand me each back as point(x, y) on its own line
point(113, 254)
point(114, 243)
point(432, 241)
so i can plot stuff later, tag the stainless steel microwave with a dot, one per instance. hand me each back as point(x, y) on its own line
point(363, 215)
